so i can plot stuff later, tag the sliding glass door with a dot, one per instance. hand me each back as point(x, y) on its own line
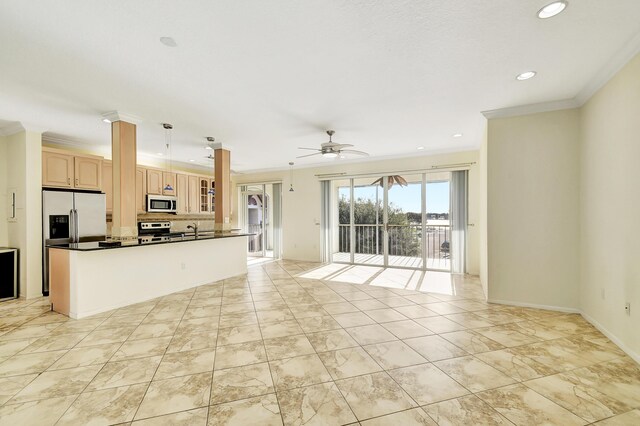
point(368, 222)
point(393, 220)
point(404, 220)
point(261, 217)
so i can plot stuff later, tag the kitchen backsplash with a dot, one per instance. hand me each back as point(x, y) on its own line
point(179, 223)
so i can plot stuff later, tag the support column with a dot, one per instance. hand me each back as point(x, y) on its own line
point(23, 150)
point(222, 173)
point(123, 152)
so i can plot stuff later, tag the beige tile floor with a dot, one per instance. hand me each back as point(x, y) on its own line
point(300, 344)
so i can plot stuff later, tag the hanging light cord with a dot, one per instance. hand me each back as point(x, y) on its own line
point(291, 176)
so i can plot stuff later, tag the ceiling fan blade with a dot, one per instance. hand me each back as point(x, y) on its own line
point(400, 180)
point(335, 145)
point(353, 152)
point(310, 155)
point(311, 149)
point(342, 145)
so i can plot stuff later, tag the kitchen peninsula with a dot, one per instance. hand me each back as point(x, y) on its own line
point(87, 278)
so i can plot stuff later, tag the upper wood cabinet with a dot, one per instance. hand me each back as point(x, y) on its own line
point(154, 182)
point(205, 206)
point(63, 170)
point(107, 184)
point(182, 192)
point(212, 197)
point(141, 189)
point(193, 199)
point(88, 173)
point(168, 179)
point(57, 169)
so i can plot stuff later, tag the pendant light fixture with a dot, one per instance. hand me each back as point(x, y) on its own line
point(167, 140)
point(290, 176)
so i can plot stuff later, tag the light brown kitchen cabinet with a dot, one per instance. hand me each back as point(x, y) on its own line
point(204, 195)
point(87, 173)
point(141, 189)
point(168, 179)
point(154, 182)
point(57, 169)
point(182, 192)
point(193, 198)
point(212, 197)
point(107, 184)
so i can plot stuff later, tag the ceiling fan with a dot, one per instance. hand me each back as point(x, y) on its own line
point(333, 150)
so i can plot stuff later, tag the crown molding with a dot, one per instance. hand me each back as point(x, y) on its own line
point(12, 129)
point(121, 116)
point(611, 68)
point(65, 141)
point(531, 109)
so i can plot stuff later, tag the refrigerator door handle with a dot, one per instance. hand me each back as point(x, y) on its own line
point(72, 227)
point(76, 222)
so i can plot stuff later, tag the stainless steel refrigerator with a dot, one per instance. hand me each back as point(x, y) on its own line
point(71, 217)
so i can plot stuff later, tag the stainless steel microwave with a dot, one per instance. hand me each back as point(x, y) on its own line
point(161, 204)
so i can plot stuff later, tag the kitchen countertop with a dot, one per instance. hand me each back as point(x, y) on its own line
point(94, 246)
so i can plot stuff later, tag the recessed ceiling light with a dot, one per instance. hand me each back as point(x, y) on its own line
point(420, 148)
point(457, 135)
point(552, 9)
point(525, 75)
point(159, 153)
point(106, 120)
point(168, 41)
point(192, 160)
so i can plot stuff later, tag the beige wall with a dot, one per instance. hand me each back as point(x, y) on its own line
point(532, 209)
point(610, 207)
point(4, 238)
point(301, 208)
point(24, 173)
point(482, 216)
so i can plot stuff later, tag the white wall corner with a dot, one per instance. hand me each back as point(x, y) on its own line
point(531, 109)
point(612, 337)
point(611, 68)
point(12, 128)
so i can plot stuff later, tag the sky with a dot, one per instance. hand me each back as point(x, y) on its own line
point(408, 197)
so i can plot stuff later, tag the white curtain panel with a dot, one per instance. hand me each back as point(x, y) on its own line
point(458, 221)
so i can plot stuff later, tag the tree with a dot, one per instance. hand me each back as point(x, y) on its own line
point(404, 240)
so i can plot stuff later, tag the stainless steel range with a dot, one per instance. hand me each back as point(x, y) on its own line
point(151, 232)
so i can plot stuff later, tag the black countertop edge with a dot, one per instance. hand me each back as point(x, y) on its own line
point(94, 246)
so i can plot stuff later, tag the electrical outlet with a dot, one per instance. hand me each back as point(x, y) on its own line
point(183, 265)
point(602, 293)
point(627, 308)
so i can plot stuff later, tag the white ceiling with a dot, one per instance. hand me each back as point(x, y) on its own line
point(265, 77)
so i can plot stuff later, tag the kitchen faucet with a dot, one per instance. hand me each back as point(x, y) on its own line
point(194, 227)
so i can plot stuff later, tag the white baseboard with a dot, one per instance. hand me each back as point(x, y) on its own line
point(536, 306)
point(612, 337)
point(596, 324)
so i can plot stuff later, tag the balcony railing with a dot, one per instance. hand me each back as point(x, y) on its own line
point(404, 240)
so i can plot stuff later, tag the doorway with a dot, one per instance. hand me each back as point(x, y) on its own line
point(401, 220)
point(261, 217)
